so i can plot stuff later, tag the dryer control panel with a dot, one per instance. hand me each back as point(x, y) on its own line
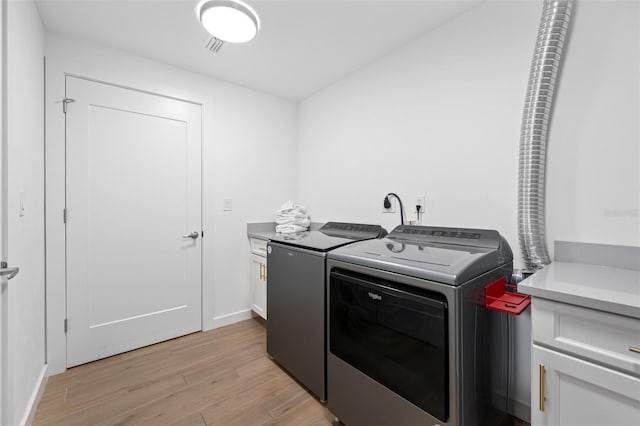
point(459, 236)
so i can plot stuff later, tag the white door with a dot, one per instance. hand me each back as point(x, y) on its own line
point(579, 393)
point(133, 198)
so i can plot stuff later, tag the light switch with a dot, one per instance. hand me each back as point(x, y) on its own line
point(22, 209)
point(228, 204)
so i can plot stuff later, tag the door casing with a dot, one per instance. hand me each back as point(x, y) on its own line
point(5, 404)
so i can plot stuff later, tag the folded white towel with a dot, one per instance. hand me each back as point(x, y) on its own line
point(290, 229)
point(292, 213)
point(301, 221)
point(290, 207)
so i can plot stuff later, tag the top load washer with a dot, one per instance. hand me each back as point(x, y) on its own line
point(296, 333)
point(409, 338)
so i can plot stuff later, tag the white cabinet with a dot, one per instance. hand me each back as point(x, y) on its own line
point(585, 368)
point(259, 277)
point(580, 393)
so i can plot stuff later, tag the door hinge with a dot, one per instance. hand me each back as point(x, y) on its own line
point(66, 323)
point(64, 215)
point(66, 101)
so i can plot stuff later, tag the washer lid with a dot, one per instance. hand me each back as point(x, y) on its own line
point(446, 255)
point(330, 236)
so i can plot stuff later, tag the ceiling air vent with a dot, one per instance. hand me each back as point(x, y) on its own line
point(213, 44)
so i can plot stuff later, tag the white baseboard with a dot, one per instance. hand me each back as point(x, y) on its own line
point(231, 318)
point(30, 413)
point(521, 410)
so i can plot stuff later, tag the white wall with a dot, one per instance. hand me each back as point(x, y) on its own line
point(249, 155)
point(442, 116)
point(439, 117)
point(25, 126)
point(594, 146)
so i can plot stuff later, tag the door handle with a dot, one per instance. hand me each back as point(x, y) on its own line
point(542, 397)
point(193, 235)
point(9, 272)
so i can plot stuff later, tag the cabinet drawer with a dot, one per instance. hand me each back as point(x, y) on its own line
point(603, 337)
point(258, 246)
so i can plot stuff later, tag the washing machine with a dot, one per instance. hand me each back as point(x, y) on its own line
point(296, 325)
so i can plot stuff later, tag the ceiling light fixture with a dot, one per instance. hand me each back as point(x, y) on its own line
point(229, 20)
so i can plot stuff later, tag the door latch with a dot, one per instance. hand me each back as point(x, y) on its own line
point(66, 101)
point(8, 272)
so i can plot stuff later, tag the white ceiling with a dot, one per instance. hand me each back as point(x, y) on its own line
point(302, 47)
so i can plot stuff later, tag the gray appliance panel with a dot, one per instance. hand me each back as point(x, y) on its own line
point(448, 264)
point(330, 236)
point(451, 236)
point(473, 331)
point(296, 325)
point(354, 394)
point(314, 240)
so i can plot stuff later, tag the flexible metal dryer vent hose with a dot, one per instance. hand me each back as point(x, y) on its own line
point(533, 137)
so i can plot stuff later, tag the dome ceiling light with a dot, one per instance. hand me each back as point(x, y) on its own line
point(229, 20)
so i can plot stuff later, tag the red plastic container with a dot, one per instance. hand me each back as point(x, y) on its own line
point(503, 297)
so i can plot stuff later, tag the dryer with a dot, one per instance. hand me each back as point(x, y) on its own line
point(409, 338)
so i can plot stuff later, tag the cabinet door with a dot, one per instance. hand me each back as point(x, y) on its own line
point(577, 392)
point(259, 285)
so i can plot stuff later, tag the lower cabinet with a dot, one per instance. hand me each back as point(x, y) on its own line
point(585, 366)
point(569, 391)
point(259, 285)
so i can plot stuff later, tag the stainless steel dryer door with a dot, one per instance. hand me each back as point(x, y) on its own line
point(396, 335)
point(296, 313)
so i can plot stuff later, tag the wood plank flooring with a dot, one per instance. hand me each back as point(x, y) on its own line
point(220, 377)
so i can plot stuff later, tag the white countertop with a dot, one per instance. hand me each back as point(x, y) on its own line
point(262, 235)
point(604, 288)
point(267, 230)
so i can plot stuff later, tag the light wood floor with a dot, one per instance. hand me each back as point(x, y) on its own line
point(220, 377)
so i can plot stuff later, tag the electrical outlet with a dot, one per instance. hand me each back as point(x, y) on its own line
point(391, 209)
point(421, 201)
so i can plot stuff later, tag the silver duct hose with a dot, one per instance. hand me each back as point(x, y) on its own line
point(533, 136)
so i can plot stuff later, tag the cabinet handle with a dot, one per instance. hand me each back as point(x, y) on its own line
point(542, 373)
point(634, 350)
point(263, 272)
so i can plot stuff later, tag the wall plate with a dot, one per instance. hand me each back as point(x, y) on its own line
point(391, 209)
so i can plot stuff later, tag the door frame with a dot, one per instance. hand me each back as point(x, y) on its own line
point(5, 402)
point(57, 69)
